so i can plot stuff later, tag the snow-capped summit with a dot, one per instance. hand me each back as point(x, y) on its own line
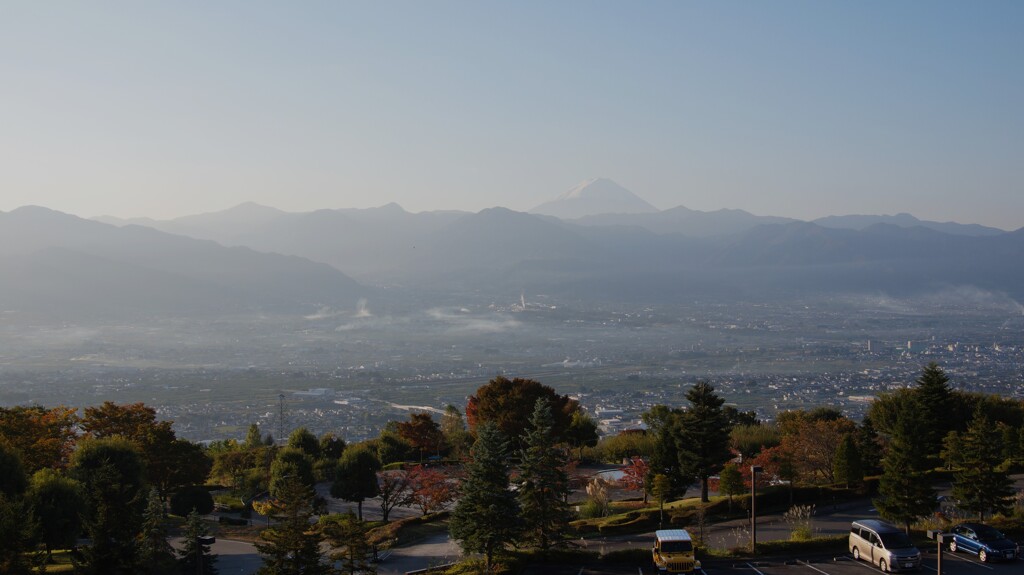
point(593, 197)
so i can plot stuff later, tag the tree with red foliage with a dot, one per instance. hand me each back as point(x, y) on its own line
point(431, 490)
point(509, 404)
point(422, 432)
point(634, 476)
point(393, 490)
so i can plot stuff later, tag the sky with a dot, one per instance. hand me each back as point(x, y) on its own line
point(790, 108)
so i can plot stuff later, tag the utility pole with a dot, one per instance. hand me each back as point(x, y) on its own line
point(754, 470)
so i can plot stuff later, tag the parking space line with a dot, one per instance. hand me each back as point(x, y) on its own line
point(960, 557)
point(756, 570)
point(865, 565)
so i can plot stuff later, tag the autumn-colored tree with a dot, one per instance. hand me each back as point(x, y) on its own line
point(393, 490)
point(422, 432)
point(44, 438)
point(816, 439)
point(431, 490)
point(508, 403)
point(635, 476)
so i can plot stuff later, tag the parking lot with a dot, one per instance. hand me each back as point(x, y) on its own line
point(952, 564)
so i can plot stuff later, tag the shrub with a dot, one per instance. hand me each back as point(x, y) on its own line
point(188, 498)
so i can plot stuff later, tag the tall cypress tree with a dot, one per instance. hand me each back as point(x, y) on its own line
point(978, 485)
point(486, 518)
point(935, 399)
point(702, 437)
point(544, 484)
point(847, 466)
point(904, 493)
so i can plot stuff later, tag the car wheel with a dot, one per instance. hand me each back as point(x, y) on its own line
point(882, 566)
point(856, 553)
point(982, 555)
point(952, 545)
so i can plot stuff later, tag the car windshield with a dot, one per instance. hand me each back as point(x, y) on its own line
point(986, 533)
point(676, 546)
point(896, 540)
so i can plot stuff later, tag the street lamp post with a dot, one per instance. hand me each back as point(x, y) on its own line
point(202, 540)
point(754, 470)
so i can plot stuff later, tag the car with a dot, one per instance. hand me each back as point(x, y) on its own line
point(673, 551)
point(984, 541)
point(884, 545)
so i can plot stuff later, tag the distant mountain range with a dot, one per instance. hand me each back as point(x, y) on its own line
point(252, 257)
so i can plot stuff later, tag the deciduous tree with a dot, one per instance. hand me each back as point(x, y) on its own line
point(356, 476)
point(56, 502)
point(393, 490)
point(431, 490)
point(730, 482)
point(509, 403)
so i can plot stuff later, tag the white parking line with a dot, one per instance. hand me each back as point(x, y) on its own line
point(756, 570)
point(960, 557)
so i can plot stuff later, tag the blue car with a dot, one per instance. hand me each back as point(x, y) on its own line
point(984, 541)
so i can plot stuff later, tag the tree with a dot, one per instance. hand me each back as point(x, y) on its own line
point(509, 403)
point(111, 473)
point(391, 448)
point(730, 482)
point(486, 517)
point(17, 527)
point(194, 552)
point(13, 480)
point(869, 446)
point(543, 483)
point(666, 458)
point(703, 436)
point(422, 432)
point(56, 502)
point(393, 489)
point(582, 431)
point(192, 498)
point(660, 417)
point(174, 463)
point(292, 545)
point(303, 440)
point(331, 446)
point(979, 485)
point(635, 476)
point(348, 534)
point(356, 476)
point(935, 398)
point(253, 438)
point(815, 439)
point(290, 463)
point(430, 490)
point(847, 466)
point(904, 492)
point(44, 438)
point(661, 488)
point(156, 556)
point(453, 426)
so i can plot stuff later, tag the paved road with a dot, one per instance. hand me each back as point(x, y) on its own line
point(233, 557)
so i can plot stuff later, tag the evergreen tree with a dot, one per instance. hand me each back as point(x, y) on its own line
point(904, 492)
point(702, 437)
point(486, 517)
point(730, 482)
point(193, 550)
point(253, 438)
point(156, 556)
point(979, 485)
point(848, 468)
point(355, 478)
point(665, 456)
point(347, 534)
point(110, 471)
point(935, 399)
point(292, 545)
point(544, 484)
point(869, 446)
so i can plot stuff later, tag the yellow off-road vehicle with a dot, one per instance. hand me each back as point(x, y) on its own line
point(673, 551)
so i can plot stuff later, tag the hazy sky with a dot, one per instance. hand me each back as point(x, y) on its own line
point(800, 109)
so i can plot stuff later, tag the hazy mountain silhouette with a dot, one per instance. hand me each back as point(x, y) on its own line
point(592, 197)
point(86, 260)
point(682, 220)
point(904, 220)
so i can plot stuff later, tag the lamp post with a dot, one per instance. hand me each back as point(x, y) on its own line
point(202, 540)
point(754, 470)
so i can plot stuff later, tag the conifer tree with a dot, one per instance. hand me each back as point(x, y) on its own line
point(544, 484)
point(904, 493)
point(869, 446)
point(848, 468)
point(702, 438)
point(193, 550)
point(935, 398)
point(486, 518)
point(292, 545)
point(979, 485)
point(347, 534)
point(156, 556)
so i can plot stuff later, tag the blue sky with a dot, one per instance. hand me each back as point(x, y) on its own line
point(802, 109)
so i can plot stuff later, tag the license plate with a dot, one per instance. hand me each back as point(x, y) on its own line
point(908, 565)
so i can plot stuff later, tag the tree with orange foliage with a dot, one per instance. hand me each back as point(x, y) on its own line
point(44, 438)
point(509, 404)
point(422, 432)
point(431, 490)
point(634, 476)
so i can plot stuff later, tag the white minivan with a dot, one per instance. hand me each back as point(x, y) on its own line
point(883, 544)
